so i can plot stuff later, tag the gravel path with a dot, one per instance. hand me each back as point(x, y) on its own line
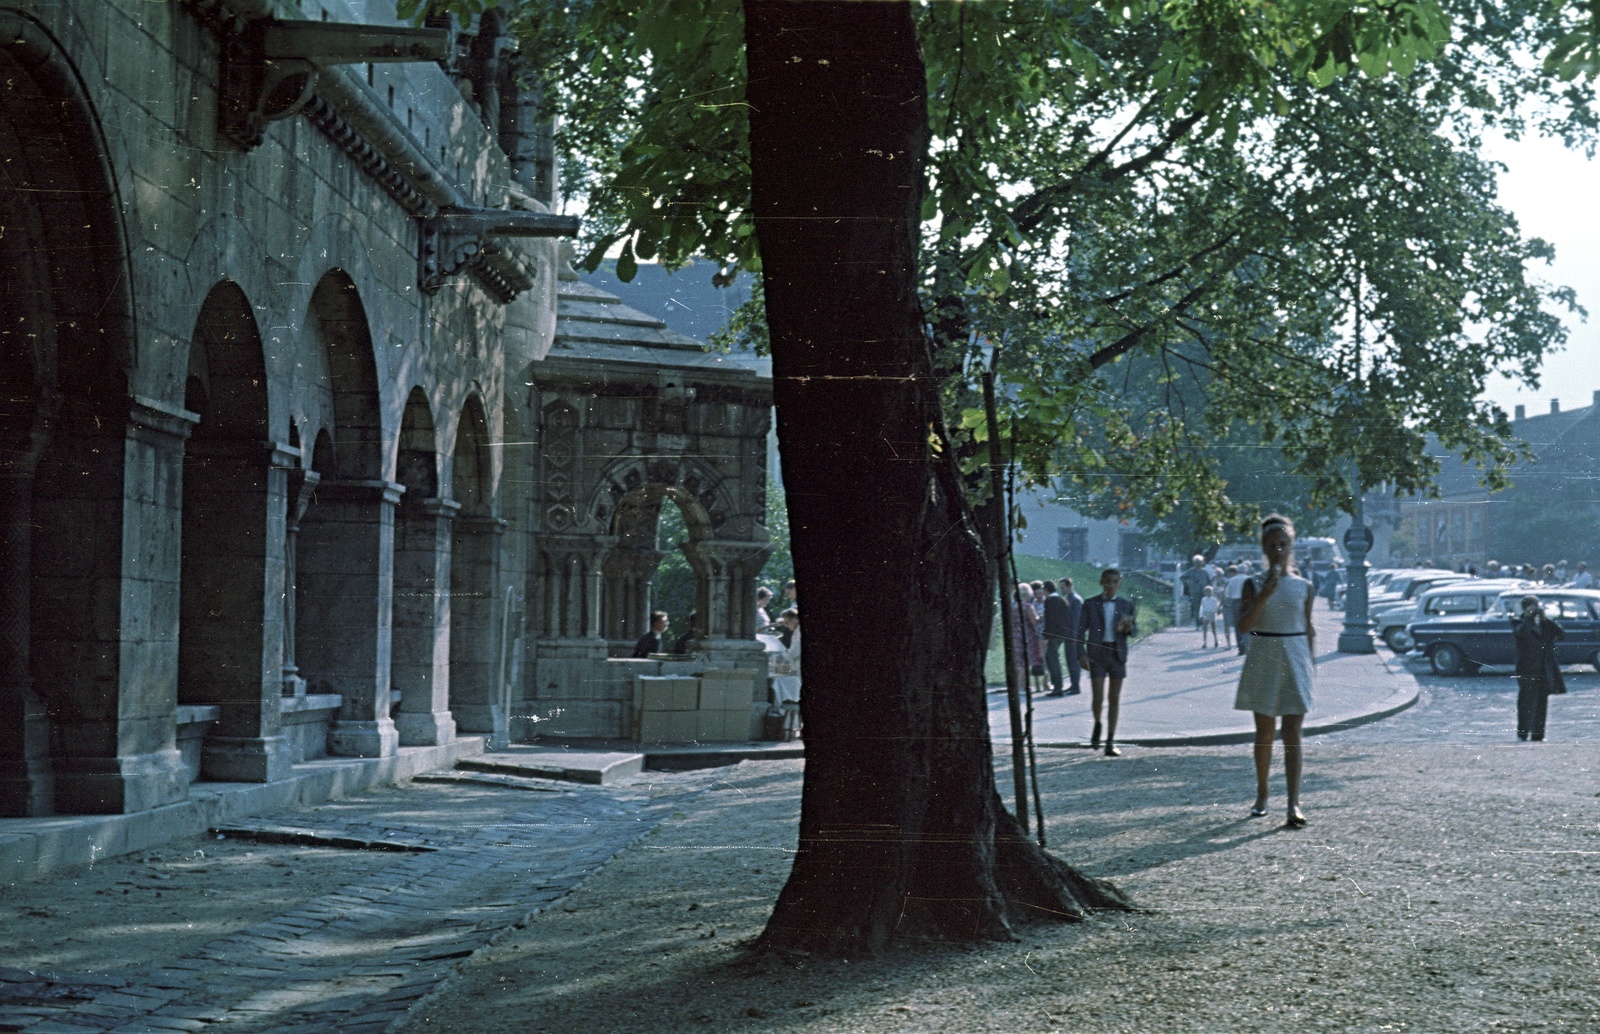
point(1438, 888)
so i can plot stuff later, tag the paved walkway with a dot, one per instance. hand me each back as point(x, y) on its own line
point(1180, 694)
point(356, 958)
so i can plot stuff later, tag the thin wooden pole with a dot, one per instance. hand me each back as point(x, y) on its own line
point(1019, 758)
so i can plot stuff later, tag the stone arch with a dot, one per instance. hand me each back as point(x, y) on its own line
point(420, 659)
point(700, 491)
point(230, 637)
point(627, 504)
point(476, 659)
point(338, 321)
point(66, 424)
point(472, 464)
point(345, 602)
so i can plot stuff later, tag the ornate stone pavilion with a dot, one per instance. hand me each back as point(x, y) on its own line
point(630, 414)
point(294, 459)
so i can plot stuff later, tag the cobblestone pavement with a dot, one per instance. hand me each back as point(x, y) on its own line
point(1481, 709)
point(357, 957)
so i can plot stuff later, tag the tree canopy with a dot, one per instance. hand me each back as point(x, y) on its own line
point(1284, 202)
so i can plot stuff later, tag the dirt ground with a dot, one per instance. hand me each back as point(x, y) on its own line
point(1438, 888)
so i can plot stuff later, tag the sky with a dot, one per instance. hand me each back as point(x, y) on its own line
point(1555, 194)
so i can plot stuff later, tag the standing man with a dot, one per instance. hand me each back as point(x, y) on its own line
point(1232, 599)
point(1103, 631)
point(1194, 579)
point(1060, 625)
point(1075, 647)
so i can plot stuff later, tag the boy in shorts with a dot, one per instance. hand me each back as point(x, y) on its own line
point(1104, 626)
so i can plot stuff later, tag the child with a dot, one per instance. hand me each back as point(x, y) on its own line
point(1209, 606)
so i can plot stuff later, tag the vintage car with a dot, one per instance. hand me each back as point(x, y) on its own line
point(1467, 598)
point(1461, 644)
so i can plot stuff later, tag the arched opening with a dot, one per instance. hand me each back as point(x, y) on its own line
point(338, 322)
point(476, 618)
point(345, 596)
point(420, 663)
point(229, 639)
point(674, 588)
point(649, 568)
point(70, 740)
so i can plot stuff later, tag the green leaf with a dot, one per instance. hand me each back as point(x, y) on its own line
point(627, 265)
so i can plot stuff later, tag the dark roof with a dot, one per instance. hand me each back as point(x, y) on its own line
point(686, 301)
point(1563, 443)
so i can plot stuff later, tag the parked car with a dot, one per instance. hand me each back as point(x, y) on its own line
point(1451, 599)
point(1461, 644)
point(1407, 586)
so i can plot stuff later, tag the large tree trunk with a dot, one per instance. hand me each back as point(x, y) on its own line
point(902, 832)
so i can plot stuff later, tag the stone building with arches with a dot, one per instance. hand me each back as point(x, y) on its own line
point(279, 468)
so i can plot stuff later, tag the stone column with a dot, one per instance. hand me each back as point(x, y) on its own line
point(422, 612)
point(569, 677)
point(475, 624)
point(27, 783)
point(106, 597)
point(725, 590)
point(300, 485)
point(231, 641)
point(346, 605)
point(626, 594)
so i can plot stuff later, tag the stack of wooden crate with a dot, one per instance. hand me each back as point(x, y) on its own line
point(714, 707)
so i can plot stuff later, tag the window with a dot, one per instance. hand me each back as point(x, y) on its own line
point(1072, 544)
point(1440, 605)
point(1565, 609)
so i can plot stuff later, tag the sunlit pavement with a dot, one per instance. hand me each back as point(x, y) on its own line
point(1178, 692)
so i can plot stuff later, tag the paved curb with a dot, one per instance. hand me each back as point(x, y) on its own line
point(1393, 705)
point(31, 848)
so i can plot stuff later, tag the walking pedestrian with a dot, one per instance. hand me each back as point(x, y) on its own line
point(1276, 681)
point(1538, 669)
point(1209, 606)
point(1194, 578)
point(1103, 631)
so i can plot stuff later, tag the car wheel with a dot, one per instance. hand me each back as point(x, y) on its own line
point(1595, 660)
point(1448, 659)
point(1397, 639)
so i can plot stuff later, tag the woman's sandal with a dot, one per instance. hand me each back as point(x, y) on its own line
point(1258, 811)
point(1295, 821)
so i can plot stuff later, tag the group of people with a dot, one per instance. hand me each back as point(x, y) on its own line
point(1215, 596)
point(1272, 607)
point(1557, 574)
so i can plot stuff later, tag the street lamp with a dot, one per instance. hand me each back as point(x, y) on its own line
point(1356, 636)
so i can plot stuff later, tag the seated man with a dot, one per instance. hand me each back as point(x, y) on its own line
point(652, 641)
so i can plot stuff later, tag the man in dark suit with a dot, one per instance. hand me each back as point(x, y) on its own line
point(1103, 631)
point(651, 641)
point(1061, 612)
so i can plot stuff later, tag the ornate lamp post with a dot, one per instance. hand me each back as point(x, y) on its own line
point(1356, 636)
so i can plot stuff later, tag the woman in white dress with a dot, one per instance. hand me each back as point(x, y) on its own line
point(1275, 612)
